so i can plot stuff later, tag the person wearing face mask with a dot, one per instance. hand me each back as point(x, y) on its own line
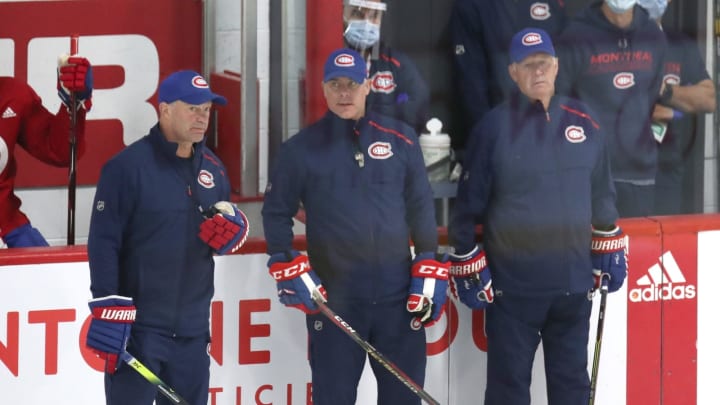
point(687, 90)
point(480, 31)
point(397, 89)
point(612, 57)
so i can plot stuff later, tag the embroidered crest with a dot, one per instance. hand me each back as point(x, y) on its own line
point(380, 150)
point(206, 179)
point(575, 134)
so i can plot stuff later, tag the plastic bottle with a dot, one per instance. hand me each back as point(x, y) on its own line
point(436, 151)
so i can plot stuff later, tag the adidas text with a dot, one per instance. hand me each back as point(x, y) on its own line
point(664, 292)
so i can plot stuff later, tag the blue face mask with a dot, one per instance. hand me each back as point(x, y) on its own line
point(655, 8)
point(362, 34)
point(620, 6)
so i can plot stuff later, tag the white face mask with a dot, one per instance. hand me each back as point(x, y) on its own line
point(655, 8)
point(620, 6)
point(362, 34)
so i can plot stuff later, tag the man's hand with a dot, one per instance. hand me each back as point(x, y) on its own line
point(297, 283)
point(428, 287)
point(74, 75)
point(226, 228)
point(609, 257)
point(471, 279)
point(112, 319)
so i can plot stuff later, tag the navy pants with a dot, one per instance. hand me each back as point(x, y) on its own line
point(337, 361)
point(515, 326)
point(182, 363)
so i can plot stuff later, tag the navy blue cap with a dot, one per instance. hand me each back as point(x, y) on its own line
point(187, 86)
point(345, 62)
point(528, 42)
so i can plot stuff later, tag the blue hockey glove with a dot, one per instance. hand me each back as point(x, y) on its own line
point(74, 75)
point(226, 228)
point(428, 287)
point(297, 283)
point(112, 319)
point(471, 279)
point(609, 257)
point(24, 236)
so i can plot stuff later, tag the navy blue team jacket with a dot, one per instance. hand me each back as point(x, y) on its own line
point(143, 239)
point(618, 73)
point(398, 90)
point(360, 220)
point(536, 181)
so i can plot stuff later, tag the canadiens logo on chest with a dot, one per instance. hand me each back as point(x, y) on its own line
point(380, 150)
point(206, 179)
point(539, 11)
point(575, 134)
point(624, 80)
point(383, 82)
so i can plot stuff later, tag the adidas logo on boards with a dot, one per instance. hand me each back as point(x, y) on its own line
point(8, 113)
point(664, 281)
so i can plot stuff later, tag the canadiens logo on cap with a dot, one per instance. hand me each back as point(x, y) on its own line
point(532, 39)
point(199, 82)
point(575, 134)
point(344, 60)
point(206, 179)
point(380, 150)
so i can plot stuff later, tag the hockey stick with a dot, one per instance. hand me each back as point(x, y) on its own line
point(598, 340)
point(390, 366)
point(74, 43)
point(152, 378)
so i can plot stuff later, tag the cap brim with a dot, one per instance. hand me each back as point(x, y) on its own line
point(197, 99)
point(335, 75)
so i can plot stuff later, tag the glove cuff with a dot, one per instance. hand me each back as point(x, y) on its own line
point(467, 256)
point(298, 266)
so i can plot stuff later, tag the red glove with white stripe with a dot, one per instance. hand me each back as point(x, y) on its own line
point(112, 319)
point(428, 287)
point(297, 282)
point(74, 75)
point(226, 228)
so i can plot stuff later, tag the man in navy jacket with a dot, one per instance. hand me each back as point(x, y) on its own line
point(160, 212)
point(537, 177)
point(361, 179)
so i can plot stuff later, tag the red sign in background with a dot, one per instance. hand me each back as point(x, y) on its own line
point(173, 26)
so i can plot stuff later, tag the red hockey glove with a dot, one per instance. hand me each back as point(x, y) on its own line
point(226, 228)
point(112, 319)
point(297, 283)
point(428, 287)
point(471, 279)
point(74, 75)
point(609, 257)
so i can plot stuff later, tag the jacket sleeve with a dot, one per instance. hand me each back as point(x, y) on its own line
point(46, 137)
point(419, 202)
point(470, 62)
point(604, 211)
point(111, 210)
point(474, 187)
point(282, 200)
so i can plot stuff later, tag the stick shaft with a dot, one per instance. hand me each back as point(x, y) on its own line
point(598, 343)
point(72, 182)
point(379, 357)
